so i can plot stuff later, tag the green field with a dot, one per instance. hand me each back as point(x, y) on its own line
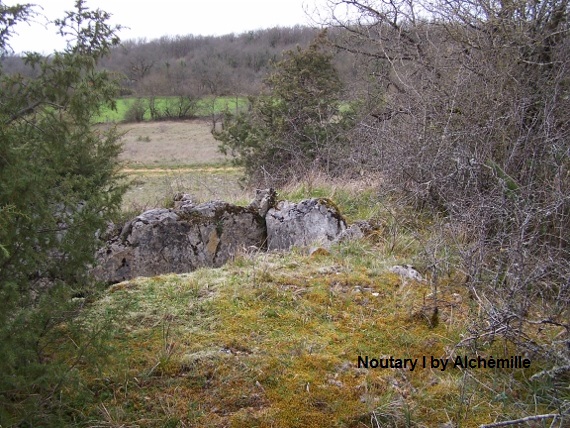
point(205, 107)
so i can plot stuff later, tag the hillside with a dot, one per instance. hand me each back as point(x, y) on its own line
point(276, 340)
point(200, 65)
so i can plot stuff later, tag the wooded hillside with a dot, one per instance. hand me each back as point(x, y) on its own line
point(197, 65)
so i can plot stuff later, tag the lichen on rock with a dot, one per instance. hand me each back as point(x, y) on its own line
point(312, 221)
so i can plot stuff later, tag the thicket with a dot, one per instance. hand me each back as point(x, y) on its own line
point(161, 108)
point(58, 187)
point(472, 122)
point(463, 107)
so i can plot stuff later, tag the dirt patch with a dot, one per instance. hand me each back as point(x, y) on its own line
point(167, 143)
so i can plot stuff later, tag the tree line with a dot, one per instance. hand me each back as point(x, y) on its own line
point(194, 65)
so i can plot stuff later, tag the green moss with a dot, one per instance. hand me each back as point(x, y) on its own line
point(332, 207)
point(273, 340)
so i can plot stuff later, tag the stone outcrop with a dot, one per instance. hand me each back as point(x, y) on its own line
point(191, 235)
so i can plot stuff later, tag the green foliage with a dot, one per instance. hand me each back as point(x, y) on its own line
point(59, 185)
point(136, 111)
point(297, 125)
point(180, 107)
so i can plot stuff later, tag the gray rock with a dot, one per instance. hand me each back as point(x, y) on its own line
point(183, 200)
point(353, 233)
point(356, 231)
point(264, 200)
point(407, 272)
point(312, 221)
point(193, 235)
point(175, 241)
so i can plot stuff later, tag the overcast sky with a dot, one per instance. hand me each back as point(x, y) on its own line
point(153, 19)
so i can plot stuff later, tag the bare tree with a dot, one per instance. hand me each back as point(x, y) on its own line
point(469, 113)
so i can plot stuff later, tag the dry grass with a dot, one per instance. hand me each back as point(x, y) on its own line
point(168, 144)
point(151, 188)
point(163, 158)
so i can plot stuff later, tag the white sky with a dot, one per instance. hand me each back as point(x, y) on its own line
point(153, 19)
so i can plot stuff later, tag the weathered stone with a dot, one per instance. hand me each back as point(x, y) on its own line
point(176, 241)
point(356, 231)
point(312, 221)
point(353, 233)
point(183, 200)
point(193, 235)
point(407, 272)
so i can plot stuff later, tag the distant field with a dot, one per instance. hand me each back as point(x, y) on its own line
point(166, 157)
point(155, 188)
point(205, 107)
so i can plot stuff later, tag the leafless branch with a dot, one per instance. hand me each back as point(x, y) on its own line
point(521, 420)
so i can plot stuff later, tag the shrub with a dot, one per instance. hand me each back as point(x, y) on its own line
point(471, 119)
point(136, 111)
point(297, 125)
point(58, 185)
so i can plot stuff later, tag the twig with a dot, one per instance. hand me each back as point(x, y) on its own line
point(520, 421)
point(551, 373)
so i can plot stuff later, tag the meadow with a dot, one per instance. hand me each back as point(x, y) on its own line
point(205, 107)
point(163, 158)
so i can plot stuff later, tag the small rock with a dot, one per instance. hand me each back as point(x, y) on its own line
point(325, 270)
point(184, 200)
point(264, 200)
point(353, 233)
point(335, 383)
point(407, 271)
